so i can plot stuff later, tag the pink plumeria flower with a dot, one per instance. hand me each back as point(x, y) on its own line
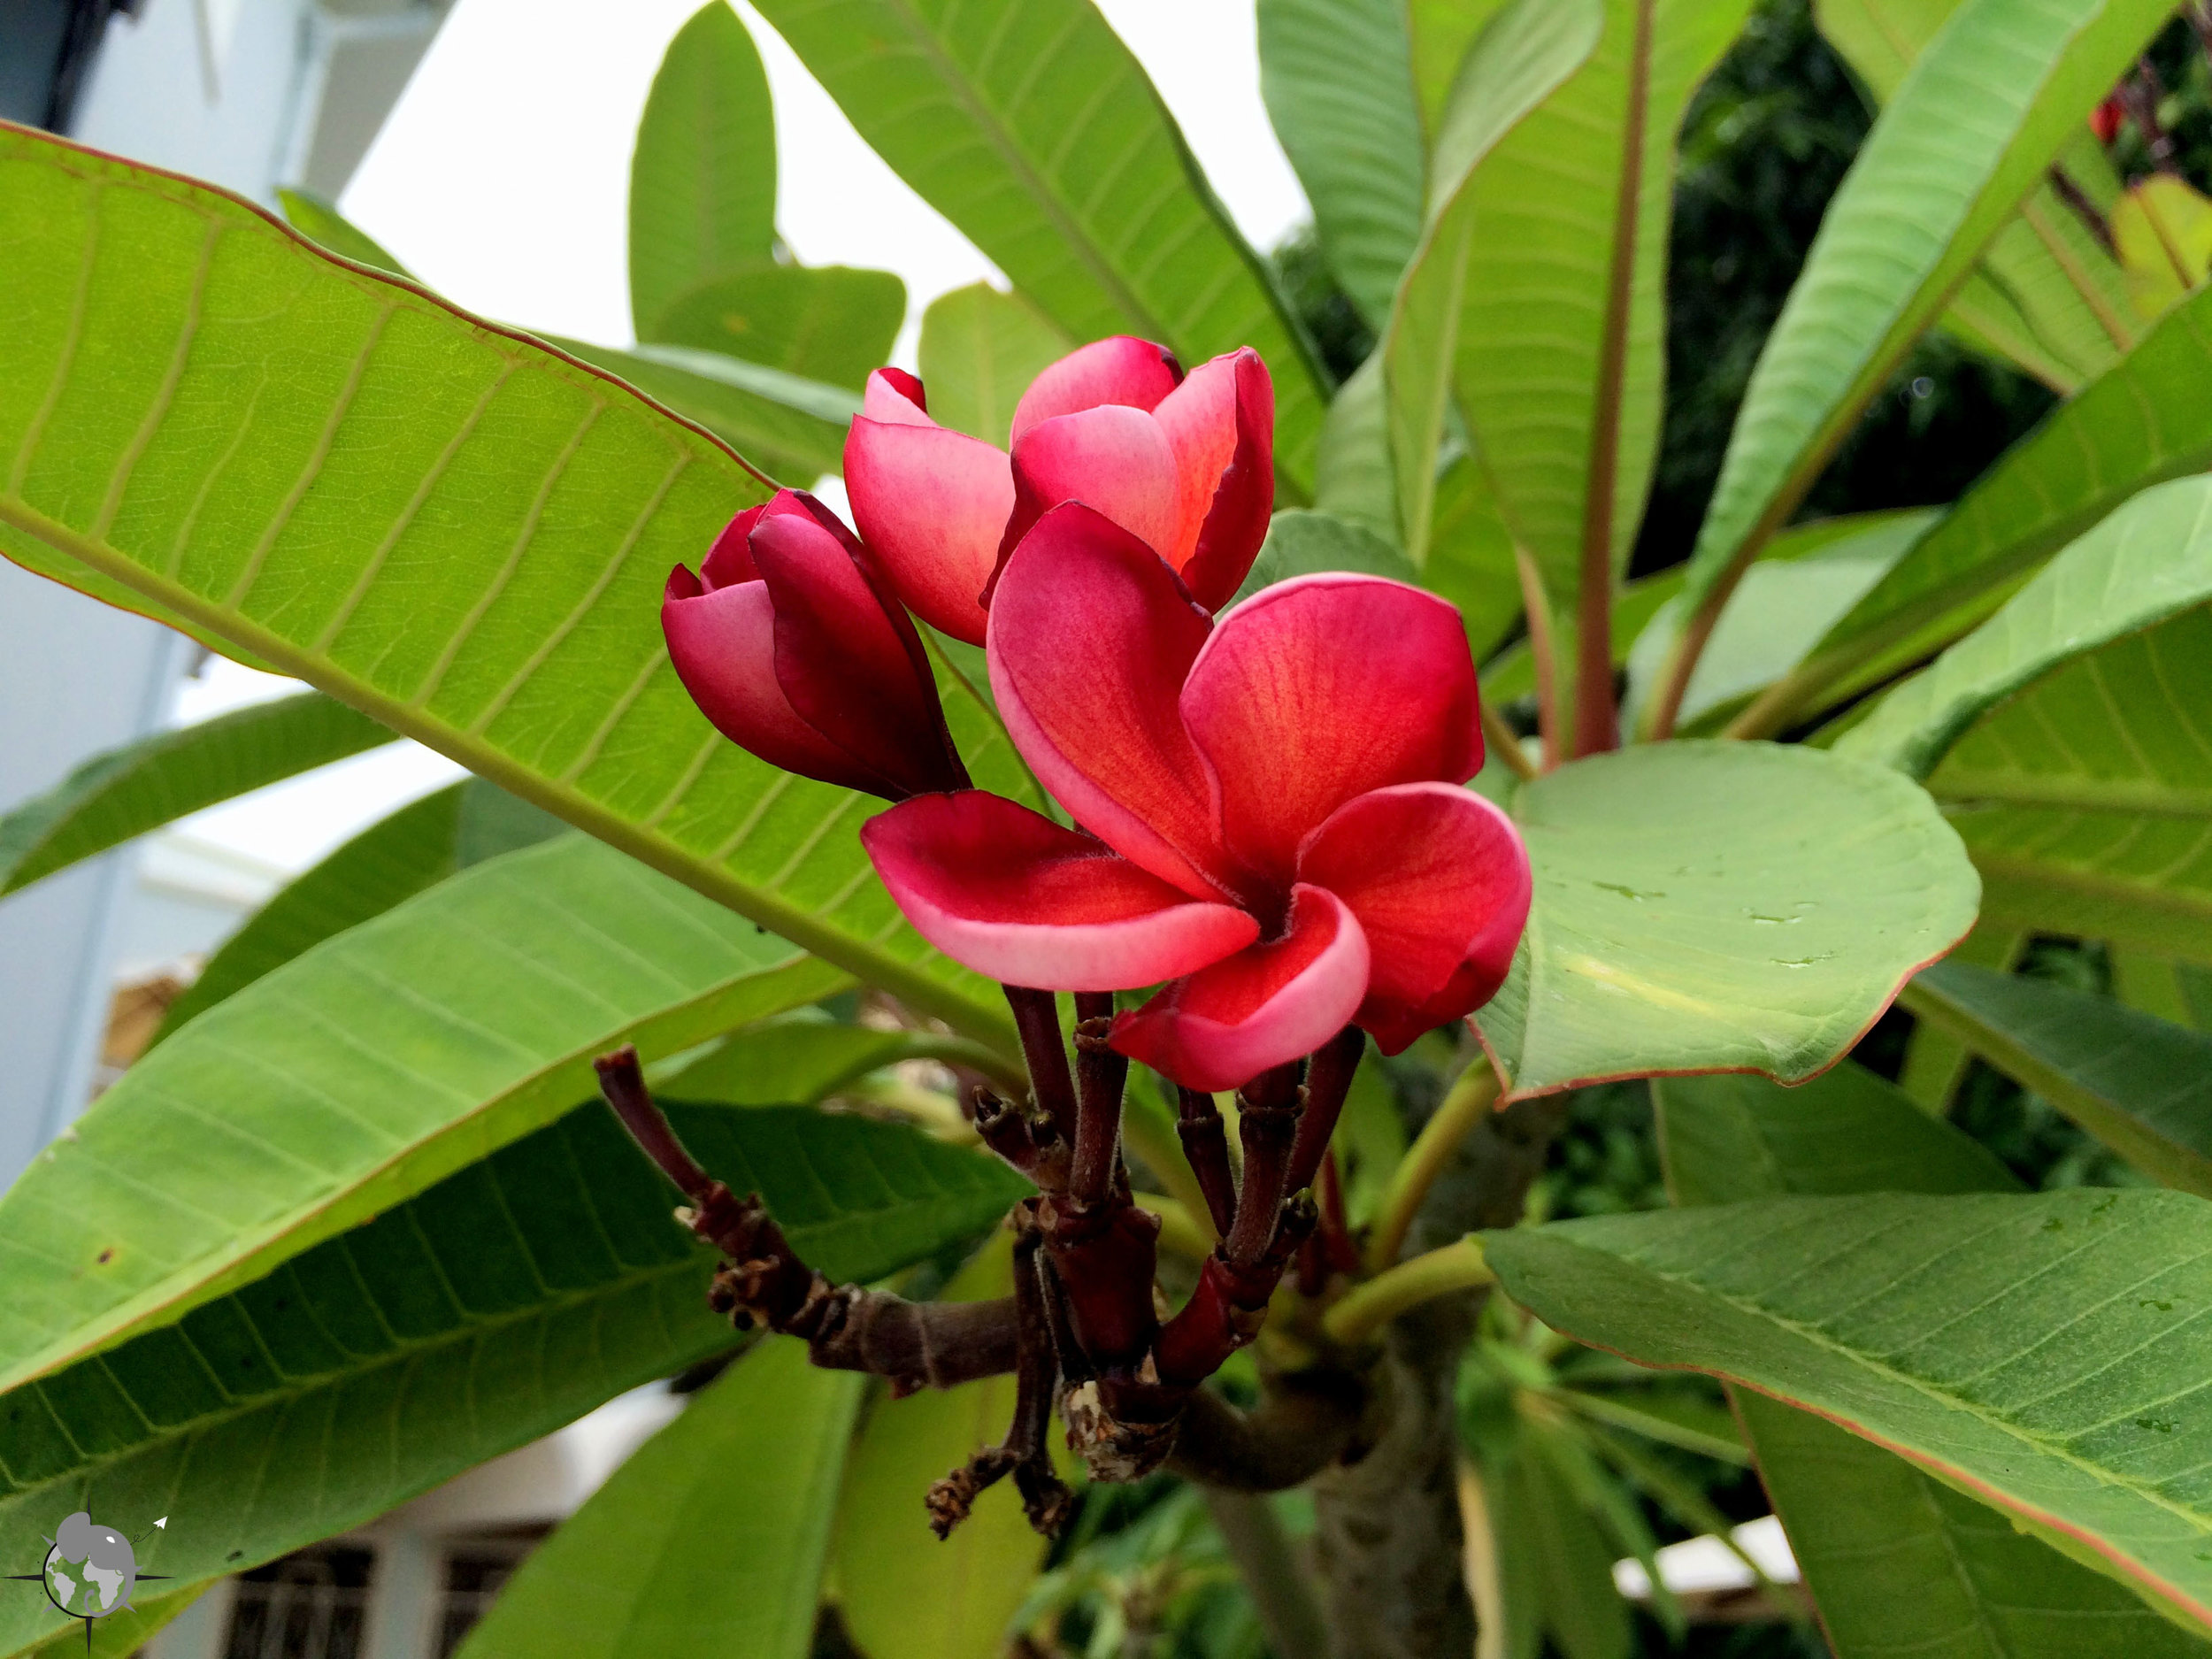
point(1270, 811)
point(793, 645)
point(1185, 464)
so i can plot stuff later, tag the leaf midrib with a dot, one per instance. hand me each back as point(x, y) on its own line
point(2134, 797)
point(779, 915)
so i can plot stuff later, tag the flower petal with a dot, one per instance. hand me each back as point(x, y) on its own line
point(932, 504)
point(1091, 636)
point(1319, 689)
point(896, 398)
point(1118, 370)
point(847, 656)
point(1440, 881)
point(723, 645)
point(1112, 458)
point(1268, 1003)
point(1220, 423)
point(1008, 893)
point(730, 560)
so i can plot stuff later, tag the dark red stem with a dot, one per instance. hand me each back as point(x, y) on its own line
point(1101, 1075)
point(1267, 1122)
point(1037, 1017)
point(1206, 1147)
point(1328, 1083)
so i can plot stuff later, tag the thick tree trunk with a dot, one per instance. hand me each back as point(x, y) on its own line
point(1388, 1536)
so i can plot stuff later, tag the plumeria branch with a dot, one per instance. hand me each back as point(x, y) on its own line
point(1363, 1313)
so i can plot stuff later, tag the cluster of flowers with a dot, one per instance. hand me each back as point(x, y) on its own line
point(1271, 821)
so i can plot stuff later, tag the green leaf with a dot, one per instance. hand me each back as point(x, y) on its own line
point(900, 1590)
point(118, 796)
point(2046, 294)
point(782, 420)
point(387, 862)
point(500, 1304)
point(1442, 33)
point(1522, 57)
point(1787, 605)
point(1718, 907)
point(2177, 991)
point(1892, 1555)
point(1032, 128)
point(2142, 423)
point(2149, 561)
point(1338, 79)
point(797, 1060)
point(979, 351)
point(828, 323)
point(2044, 1352)
point(1729, 1139)
point(1557, 1559)
point(1302, 543)
point(712, 1537)
point(1560, 337)
point(2141, 1085)
point(311, 215)
point(444, 525)
point(703, 178)
point(1935, 1061)
point(414, 849)
point(1970, 131)
point(361, 1073)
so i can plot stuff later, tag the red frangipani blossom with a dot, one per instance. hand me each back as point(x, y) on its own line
point(1185, 464)
point(1270, 811)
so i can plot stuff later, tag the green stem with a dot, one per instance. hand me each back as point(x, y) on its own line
point(1457, 1266)
point(1475, 1093)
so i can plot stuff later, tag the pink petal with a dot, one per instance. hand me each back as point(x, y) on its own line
point(1322, 689)
point(932, 504)
point(895, 398)
point(1008, 893)
point(1221, 425)
point(1440, 881)
point(730, 560)
point(847, 656)
point(723, 645)
point(1119, 370)
point(1112, 458)
point(1268, 1003)
point(1091, 637)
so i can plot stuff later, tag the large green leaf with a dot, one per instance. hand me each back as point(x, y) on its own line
point(496, 1306)
point(1893, 1557)
point(799, 1059)
point(1030, 127)
point(979, 349)
point(829, 323)
point(1725, 1139)
point(2046, 1353)
point(446, 525)
point(2066, 734)
point(391, 861)
point(316, 218)
point(2141, 1085)
point(1970, 131)
point(2148, 562)
point(712, 1537)
point(1338, 79)
point(1718, 907)
point(1520, 59)
point(703, 178)
point(783, 421)
point(2047, 293)
point(122, 795)
point(1560, 339)
point(900, 1590)
point(2142, 423)
point(1442, 33)
point(361, 1073)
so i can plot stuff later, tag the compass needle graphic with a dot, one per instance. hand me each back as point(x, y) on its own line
point(91, 1569)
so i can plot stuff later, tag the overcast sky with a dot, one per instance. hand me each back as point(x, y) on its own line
point(501, 179)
